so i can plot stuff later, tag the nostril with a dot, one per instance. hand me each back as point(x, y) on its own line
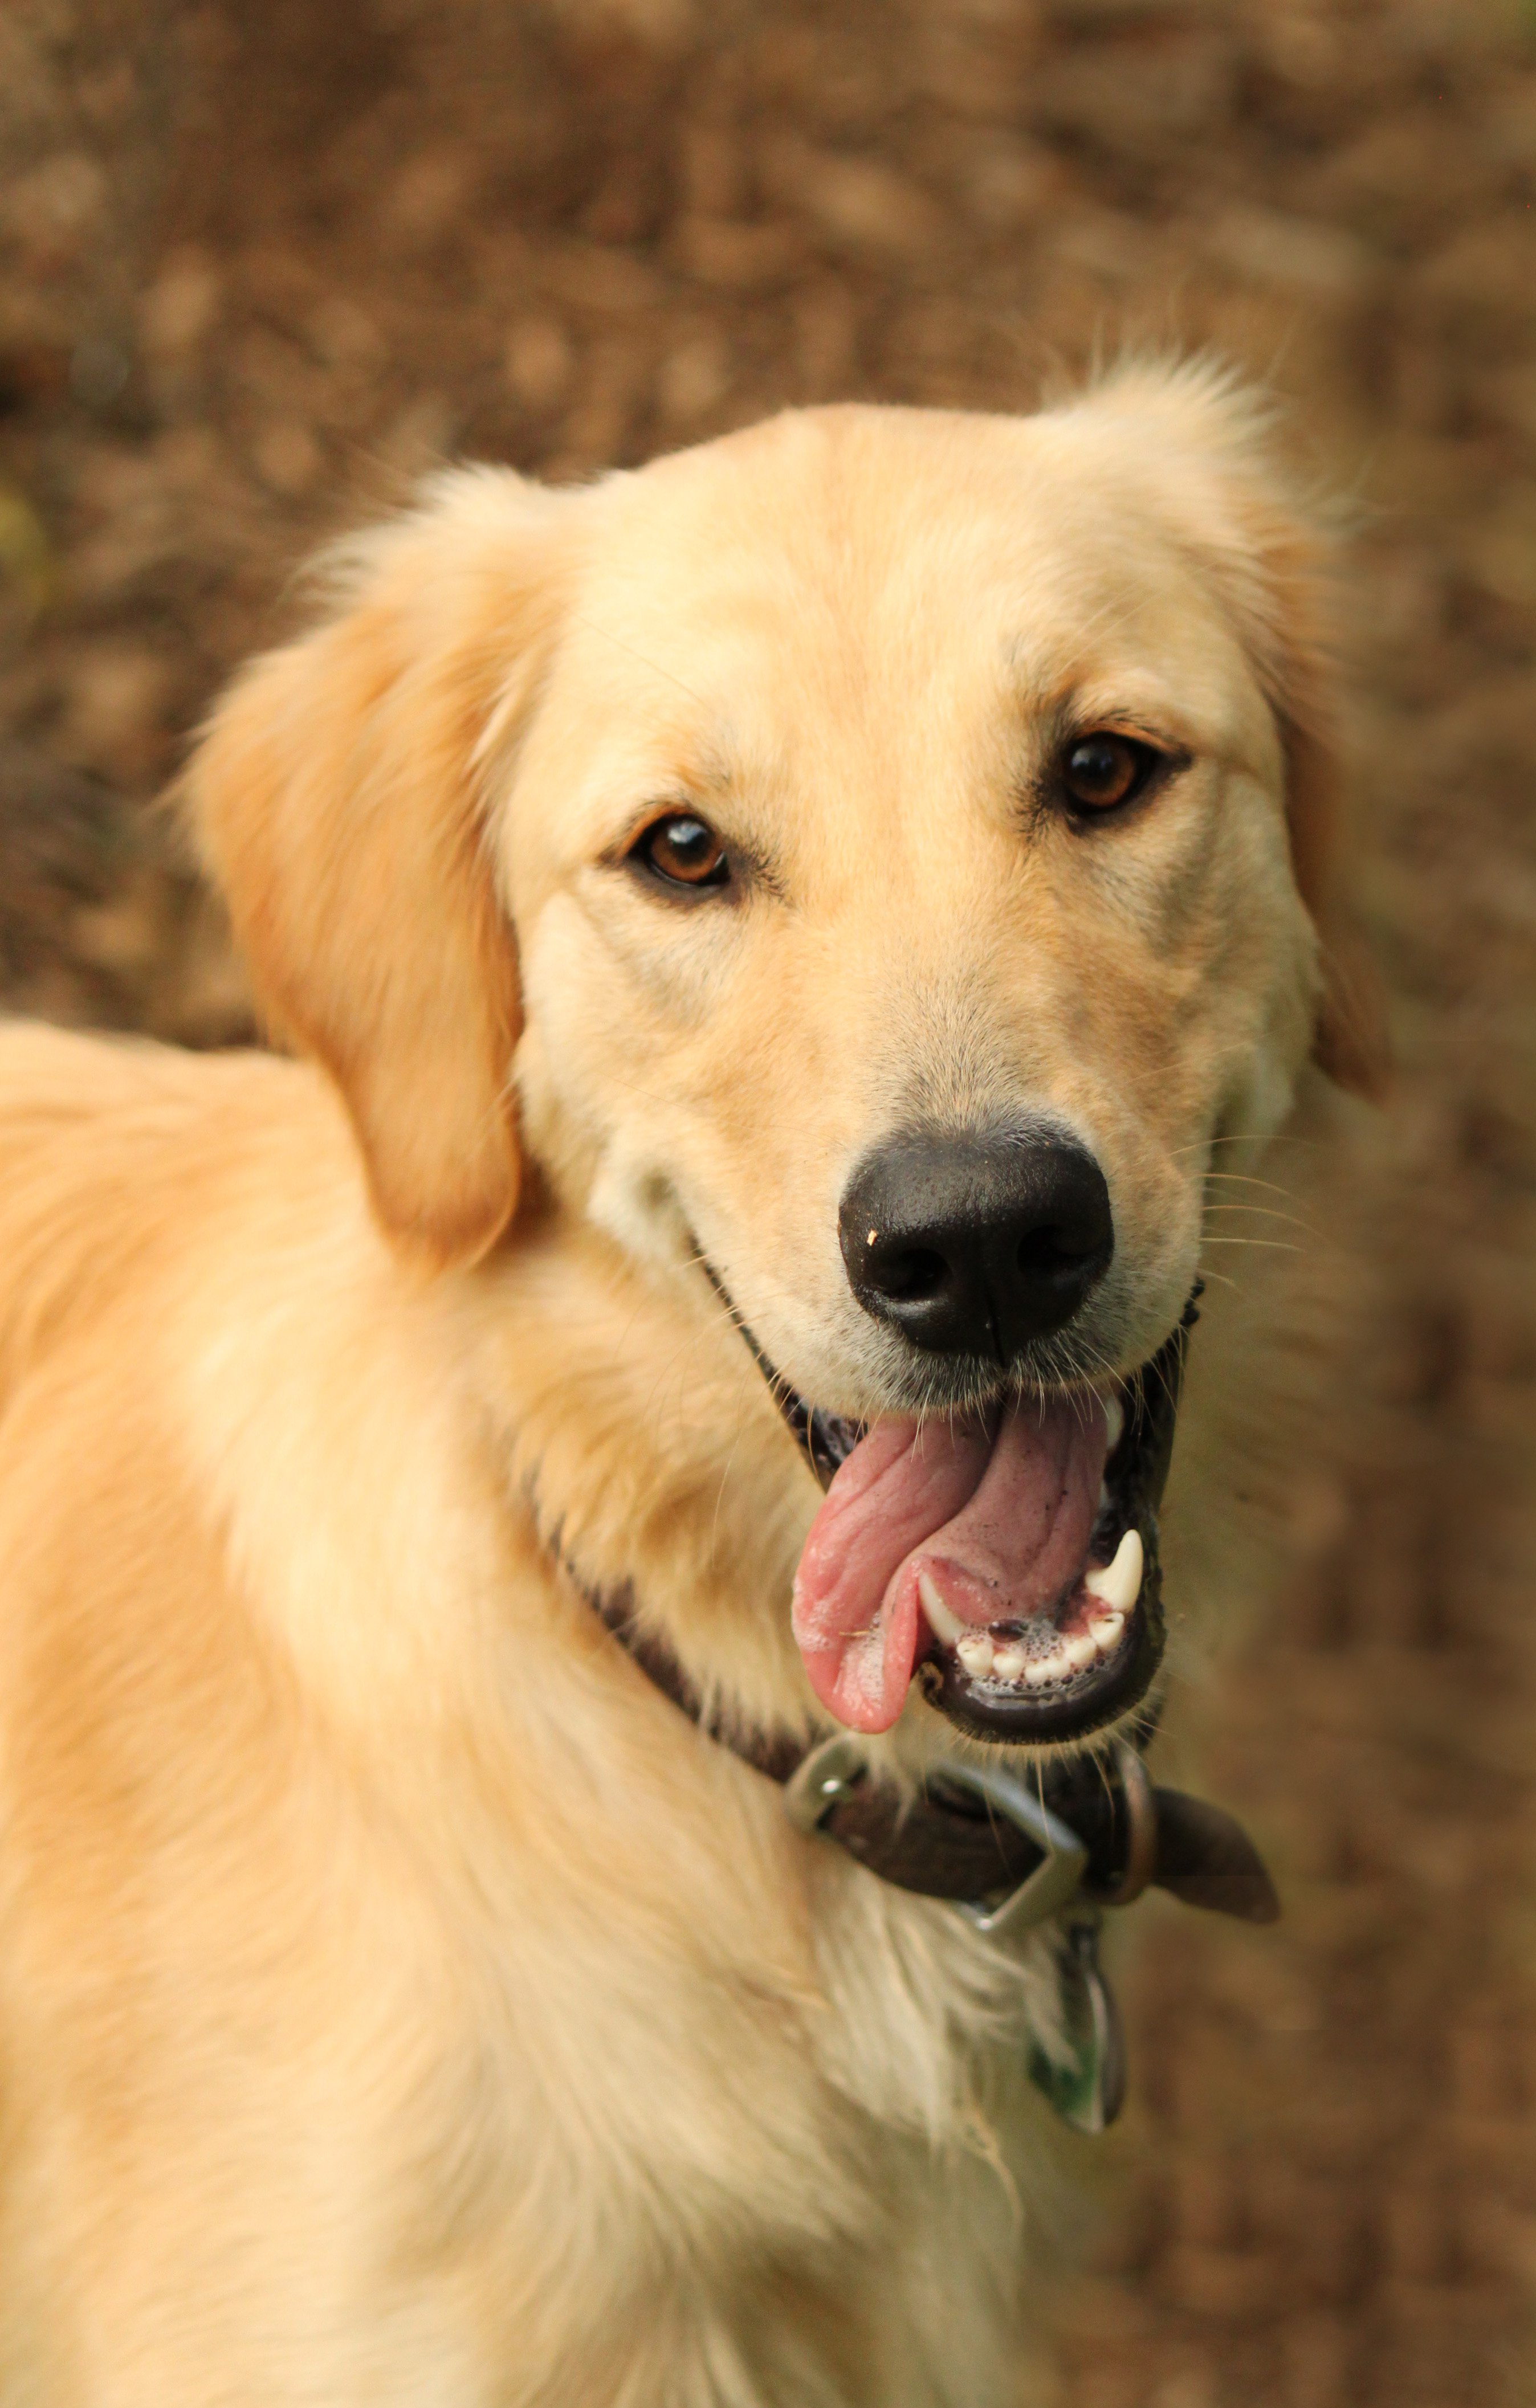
point(911, 1277)
point(1056, 1248)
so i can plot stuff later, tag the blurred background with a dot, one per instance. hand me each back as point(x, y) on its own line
point(259, 266)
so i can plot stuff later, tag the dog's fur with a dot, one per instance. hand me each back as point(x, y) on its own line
point(398, 2000)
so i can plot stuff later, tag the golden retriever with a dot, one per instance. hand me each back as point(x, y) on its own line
point(778, 936)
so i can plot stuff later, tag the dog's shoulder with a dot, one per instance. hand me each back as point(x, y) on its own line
point(114, 1150)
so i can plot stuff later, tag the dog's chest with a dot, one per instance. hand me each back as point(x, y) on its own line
point(738, 2092)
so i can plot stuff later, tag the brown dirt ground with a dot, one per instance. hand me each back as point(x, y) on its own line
point(257, 266)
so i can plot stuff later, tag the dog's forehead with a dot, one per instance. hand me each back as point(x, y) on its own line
point(888, 555)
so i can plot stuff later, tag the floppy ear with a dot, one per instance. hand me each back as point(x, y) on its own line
point(338, 797)
point(1277, 584)
point(1349, 1040)
point(1269, 557)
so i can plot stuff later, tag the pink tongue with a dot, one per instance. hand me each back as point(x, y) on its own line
point(997, 1514)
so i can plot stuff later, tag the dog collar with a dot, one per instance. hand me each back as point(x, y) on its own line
point(1090, 1832)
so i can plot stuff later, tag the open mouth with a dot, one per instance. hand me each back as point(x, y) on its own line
point(1005, 1559)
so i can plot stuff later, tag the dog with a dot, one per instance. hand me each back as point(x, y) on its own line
point(769, 948)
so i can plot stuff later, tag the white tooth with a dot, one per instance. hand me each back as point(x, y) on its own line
point(1081, 1651)
point(975, 1653)
point(1041, 1669)
point(1107, 1633)
point(1008, 1663)
point(945, 1624)
point(1115, 1420)
point(1104, 1495)
point(1119, 1584)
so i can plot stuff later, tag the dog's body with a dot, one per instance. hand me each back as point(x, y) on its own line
point(398, 1999)
point(401, 2000)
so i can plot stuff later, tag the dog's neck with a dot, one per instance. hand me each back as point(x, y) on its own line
point(633, 1424)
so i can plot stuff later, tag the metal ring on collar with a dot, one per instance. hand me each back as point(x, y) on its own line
point(1141, 1830)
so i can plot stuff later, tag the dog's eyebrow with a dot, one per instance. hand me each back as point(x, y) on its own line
point(1056, 666)
point(579, 619)
point(1072, 702)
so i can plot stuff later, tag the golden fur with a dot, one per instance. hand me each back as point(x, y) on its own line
point(398, 2000)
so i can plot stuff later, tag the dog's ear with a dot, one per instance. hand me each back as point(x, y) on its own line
point(1207, 438)
point(338, 795)
point(1349, 1041)
point(1274, 565)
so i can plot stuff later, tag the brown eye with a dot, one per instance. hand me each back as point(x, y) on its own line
point(1100, 772)
point(682, 850)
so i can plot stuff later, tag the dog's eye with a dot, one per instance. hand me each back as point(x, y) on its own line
point(1100, 772)
point(683, 851)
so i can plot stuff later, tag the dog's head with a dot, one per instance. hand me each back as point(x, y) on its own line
point(873, 860)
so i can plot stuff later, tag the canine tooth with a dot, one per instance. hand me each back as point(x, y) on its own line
point(1114, 1421)
point(975, 1652)
point(943, 1625)
point(1009, 1662)
point(1081, 1651)
point(1120, 1583)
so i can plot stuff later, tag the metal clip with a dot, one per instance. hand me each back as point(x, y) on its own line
point(822, 1780)
point(834, 1770)
point(1054, 1881)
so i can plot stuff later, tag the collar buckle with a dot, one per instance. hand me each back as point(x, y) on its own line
point(833, 1771)
point(1054, 1882)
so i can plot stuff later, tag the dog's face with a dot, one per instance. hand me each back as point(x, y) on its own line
point(901, 779)
point(893, 822)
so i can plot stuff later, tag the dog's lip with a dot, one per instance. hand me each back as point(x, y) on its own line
point(1002, 1712)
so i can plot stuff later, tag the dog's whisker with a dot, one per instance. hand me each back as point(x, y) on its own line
point(1269, 1245)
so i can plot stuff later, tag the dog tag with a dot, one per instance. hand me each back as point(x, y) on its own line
point(1084, 2080)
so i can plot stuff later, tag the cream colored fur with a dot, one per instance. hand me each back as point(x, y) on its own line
point(398, 2000)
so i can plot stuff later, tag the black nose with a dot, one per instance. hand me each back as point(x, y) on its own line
point(974, 1244)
